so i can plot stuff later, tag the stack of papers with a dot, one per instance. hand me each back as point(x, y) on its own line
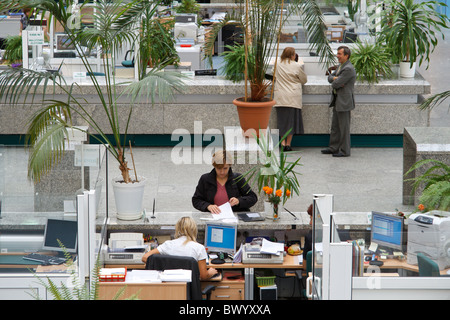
point(270, 247)
point(139, 276)
point(176, 275)
point(226, 214)
point(155, 276)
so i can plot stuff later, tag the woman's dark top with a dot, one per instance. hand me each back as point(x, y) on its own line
point(238, 188)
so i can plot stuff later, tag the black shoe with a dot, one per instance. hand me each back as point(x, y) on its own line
point(326, 151)
point(287, 148)
point(339, 154)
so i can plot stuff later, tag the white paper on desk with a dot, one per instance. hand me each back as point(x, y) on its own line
point(272, 247)
point(226, 213)
point(298, 259)
point(176, 275)
point(137, 276)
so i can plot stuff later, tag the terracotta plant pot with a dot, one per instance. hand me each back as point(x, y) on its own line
point(253, 116)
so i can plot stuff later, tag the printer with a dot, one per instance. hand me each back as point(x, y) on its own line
point(253, 253)
point(125, 248)
point(429, 233)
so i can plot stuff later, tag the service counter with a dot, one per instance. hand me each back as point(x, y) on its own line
point(383, 108)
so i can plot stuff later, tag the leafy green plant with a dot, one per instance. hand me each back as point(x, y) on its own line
point(13, 49)
point(77, 290)
point(371, 60)
point(435, 100)
point(274, 170)
point(157, 47)
point(234, 62)
point(116, 23)
point(262, 21)
point(412, 28)
point(436, 182)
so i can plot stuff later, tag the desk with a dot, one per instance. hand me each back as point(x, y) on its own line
point(401, 265)
point(144, 291)
point(289, 262)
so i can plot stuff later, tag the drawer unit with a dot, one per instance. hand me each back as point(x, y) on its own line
point(226, 289)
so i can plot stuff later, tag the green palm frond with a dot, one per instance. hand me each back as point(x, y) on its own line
point(157, 84)
point(436, 182)
point(263, 22)
point(116, 23)
point(313, 21)
point(436, 196)
point(435, 100)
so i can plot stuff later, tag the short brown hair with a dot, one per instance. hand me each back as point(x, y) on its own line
point(347, 51)
point(220, 158)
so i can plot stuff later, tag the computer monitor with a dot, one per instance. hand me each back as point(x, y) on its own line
point(220, 237)
point(350, 37)
point(387, 230)
point(63, 42)
point(66, 231)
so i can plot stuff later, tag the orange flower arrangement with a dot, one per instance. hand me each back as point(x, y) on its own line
point(275, 198)
point(421, 207)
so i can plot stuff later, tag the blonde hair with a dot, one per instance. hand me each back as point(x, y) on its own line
point(220, 158)
point(187, 227)
point(287, 54)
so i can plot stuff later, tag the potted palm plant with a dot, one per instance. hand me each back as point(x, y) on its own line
point(115, 24)
point(262, 21)
point(411, 30)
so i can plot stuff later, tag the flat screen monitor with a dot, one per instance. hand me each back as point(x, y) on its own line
point(66, 231)
point(63, 42)
point(220, 237)
point(387, 230)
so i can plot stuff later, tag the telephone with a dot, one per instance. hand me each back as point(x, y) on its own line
point(125, 247)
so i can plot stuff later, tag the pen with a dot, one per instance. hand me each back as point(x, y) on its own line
point(290, 213)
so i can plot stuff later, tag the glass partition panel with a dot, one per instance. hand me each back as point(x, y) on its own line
point(317, 253)
point(100, 185)
point(28, 208)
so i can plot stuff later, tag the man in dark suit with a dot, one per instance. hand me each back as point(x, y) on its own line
point(342, 82)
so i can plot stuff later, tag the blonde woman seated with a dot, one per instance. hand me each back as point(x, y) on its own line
point(185, 244)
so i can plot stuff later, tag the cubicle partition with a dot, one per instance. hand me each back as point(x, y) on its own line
point(26, 208)
point(341, 272)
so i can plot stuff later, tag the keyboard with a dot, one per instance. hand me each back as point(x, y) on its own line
point(44, 259)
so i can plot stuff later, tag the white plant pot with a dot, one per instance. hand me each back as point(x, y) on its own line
point(129, 198)
point(406, 71)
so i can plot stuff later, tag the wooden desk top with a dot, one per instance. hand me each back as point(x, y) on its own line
point(401, 264)
point(289, 262)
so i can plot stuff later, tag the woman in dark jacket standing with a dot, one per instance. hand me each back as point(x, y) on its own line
point(221, 185)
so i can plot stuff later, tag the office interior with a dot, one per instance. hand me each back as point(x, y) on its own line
point(374, 259)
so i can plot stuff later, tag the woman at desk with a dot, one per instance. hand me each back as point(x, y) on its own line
point(221, 185)
point(185, 244)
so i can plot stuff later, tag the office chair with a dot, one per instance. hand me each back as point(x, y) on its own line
point(427, 267)
point(308, 270)
point(165, 262)
point(127, 63)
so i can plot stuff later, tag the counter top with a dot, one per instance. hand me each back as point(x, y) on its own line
point(217, 85)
